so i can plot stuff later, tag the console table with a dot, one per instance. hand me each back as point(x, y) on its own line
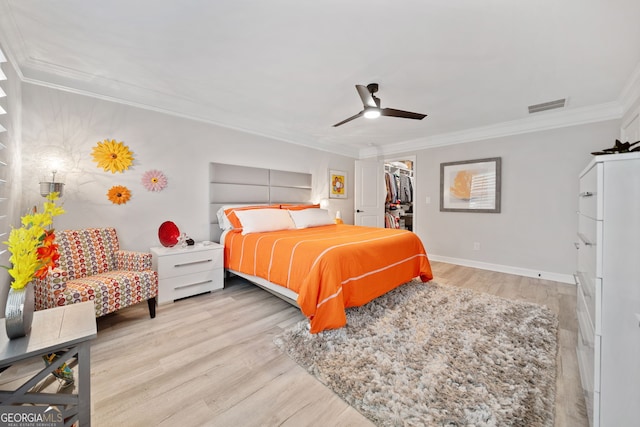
point(66, 331)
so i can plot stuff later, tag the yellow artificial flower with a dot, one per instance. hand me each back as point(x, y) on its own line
point(24, 244)
point(112, 156)
point(119, 194)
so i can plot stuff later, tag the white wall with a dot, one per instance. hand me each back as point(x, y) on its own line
point(68, 125)
point(535, 230)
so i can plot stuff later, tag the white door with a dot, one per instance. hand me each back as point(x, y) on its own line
point(369, 189)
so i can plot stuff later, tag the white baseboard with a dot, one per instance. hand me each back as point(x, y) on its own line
point(545, 275)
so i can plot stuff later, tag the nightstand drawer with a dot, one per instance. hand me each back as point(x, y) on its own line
point(189, 262)
point(174, 288)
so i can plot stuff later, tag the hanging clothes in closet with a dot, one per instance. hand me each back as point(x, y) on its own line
point(405, 187)
point(399, 198)
point(399, 187)
point(392, 187)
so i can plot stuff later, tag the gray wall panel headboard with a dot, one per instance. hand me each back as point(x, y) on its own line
point(233, 184)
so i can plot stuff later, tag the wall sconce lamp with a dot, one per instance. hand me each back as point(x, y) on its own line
point(48, 187)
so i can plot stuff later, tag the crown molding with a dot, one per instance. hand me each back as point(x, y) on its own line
point(303, 141)
point(540, 122)
point(629, 96)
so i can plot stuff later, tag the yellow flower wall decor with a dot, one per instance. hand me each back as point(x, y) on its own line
point(119, 194)
point(112, 156)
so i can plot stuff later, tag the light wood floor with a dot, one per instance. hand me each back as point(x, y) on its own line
point(210, 360)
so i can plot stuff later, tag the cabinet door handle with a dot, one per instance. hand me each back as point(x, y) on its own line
point(193, 284)
point(581, 282)
point(586, 241)
point(193, 262)
point(586, 194)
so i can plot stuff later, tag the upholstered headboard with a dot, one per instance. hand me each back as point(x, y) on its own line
point(233, 184)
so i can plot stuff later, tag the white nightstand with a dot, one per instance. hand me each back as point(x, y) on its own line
point(183, 272)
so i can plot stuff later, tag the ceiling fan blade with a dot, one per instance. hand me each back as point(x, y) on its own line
point(365, 95)
point(399, 113)
point(349, 119)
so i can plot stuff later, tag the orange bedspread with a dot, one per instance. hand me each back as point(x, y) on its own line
point(330, 267)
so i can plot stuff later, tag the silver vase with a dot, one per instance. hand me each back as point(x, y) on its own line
point(18, 312)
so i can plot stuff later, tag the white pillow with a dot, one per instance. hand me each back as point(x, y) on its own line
point(262, 220)
point(223, 221)
point(311, 218)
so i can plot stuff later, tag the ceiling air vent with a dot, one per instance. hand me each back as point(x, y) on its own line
point(547, 106)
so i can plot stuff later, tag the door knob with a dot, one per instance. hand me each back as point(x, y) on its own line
point(358, 210)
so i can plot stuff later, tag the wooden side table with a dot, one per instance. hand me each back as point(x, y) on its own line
point(67, 331)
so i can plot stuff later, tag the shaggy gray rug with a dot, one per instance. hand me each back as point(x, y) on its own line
point(436, 355)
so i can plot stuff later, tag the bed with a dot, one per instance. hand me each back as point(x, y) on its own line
point(320, 266)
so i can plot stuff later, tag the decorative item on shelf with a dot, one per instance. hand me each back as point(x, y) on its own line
point(619, 147)
point(112, 156)
point(48, 187)
point(119, 194)
point(33, 255)
point(168, 234)
point(184, 240)
point(154, 180)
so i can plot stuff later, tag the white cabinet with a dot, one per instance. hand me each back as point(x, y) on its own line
point(608, 276)
point(188, 271)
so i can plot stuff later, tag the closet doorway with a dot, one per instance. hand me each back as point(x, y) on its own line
point(400, 193)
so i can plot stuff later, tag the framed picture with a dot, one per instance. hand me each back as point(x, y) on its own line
point(470, 186)
point(337, 184)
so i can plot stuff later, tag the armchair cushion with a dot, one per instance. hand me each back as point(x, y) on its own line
point(91, 267)
point(87, 252)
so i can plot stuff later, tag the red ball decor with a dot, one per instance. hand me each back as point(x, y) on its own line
point(168, 233)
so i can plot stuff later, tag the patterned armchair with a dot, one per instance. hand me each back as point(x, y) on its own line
point(92, 267)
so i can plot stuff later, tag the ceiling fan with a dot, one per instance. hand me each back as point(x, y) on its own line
point(372, 108)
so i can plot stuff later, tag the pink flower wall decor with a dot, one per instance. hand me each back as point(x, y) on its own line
point(154, 180)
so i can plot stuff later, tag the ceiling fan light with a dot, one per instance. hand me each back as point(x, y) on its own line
point(372, 113)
